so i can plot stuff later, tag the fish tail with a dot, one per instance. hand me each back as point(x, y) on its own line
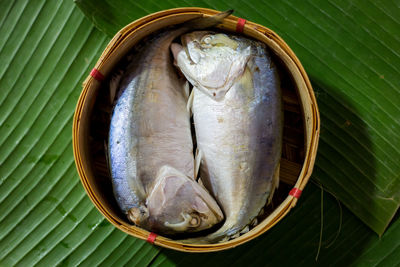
point(206, 22)
point(225, 233)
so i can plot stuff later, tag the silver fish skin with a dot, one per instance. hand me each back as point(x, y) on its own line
point(150, 145)
point(238, 119)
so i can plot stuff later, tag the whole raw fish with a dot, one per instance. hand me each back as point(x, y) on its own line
point(238, 122)
point(150, 143)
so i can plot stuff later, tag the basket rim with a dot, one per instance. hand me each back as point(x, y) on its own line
point(230, 23)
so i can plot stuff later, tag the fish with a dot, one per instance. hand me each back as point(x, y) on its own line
point(150, 143)
point(238, 119)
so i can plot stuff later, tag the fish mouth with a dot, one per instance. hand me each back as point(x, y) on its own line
point(189, 221)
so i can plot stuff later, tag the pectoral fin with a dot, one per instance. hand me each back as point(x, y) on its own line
point(190, 101)
point(186, 89)
point(197, 162)
point(200, 182)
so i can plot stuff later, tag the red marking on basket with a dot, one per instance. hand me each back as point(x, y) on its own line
point(240, 25)
point(295, 192)
point(151, 238)
point(97, 75)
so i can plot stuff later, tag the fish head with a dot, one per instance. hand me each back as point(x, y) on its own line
point(211, 61)
point(179, 204)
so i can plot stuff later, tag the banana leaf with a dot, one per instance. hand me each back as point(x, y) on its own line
point(47, 48)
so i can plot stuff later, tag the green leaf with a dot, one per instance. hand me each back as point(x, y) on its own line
point(47, 48)
point(295, 240)
point(351, 52)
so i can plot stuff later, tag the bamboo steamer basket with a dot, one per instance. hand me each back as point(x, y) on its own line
point(300, 100)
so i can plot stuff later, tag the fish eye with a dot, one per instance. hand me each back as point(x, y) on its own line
point(206, 39)
point(195, 221)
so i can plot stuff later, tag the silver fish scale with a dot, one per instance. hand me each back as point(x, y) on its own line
point(119, 145)
point(240, 139)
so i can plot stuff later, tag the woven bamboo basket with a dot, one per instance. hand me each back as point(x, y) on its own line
point(300, 137)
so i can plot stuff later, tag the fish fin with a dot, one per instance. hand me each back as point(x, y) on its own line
point(190, 101)
point(234, 236)
point(245, 230)
point(186, 89)
point(261, 212)
point(254, 222)
point(225, 239)
point(275, 183)
point(197, 161)
point(206, 22)
point(200, 182)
